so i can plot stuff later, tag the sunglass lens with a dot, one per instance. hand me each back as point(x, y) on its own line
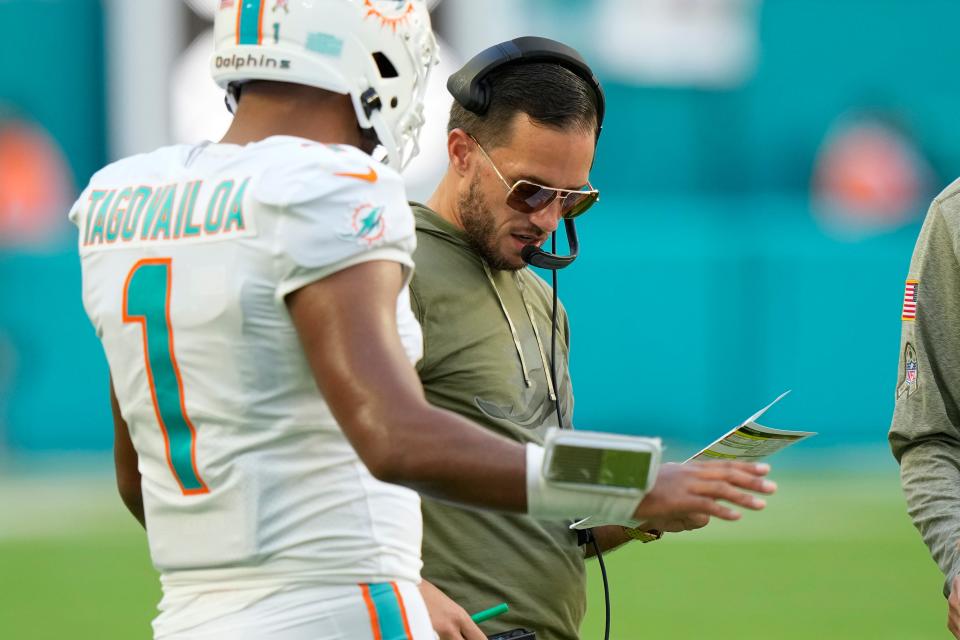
point(527, 197)
point(577, 203)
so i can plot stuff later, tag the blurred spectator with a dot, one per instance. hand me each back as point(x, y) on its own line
point(869, 176)
point(35, 185)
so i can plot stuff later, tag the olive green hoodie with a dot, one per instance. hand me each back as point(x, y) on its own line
point(486, 337)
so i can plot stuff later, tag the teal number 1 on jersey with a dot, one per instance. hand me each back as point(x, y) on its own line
point(146, 301)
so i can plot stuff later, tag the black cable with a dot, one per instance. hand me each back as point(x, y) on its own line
point(606, 587)
point(556, 399)
point(553, 338)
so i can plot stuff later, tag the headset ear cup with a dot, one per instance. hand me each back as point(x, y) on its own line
point(480, 98)
point(467, 91)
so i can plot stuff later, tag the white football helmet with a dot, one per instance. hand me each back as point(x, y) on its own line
point(380, 52)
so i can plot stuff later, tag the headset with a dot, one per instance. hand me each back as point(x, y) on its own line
point(470, 87)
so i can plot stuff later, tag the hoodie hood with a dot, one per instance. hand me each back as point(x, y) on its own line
point(431, 222)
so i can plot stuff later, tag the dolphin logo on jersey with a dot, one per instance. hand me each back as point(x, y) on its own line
point(367, 225)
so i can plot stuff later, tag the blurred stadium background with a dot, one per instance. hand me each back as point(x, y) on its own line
point(765, 167)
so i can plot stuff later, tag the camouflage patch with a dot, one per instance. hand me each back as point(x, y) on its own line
point(910, 375)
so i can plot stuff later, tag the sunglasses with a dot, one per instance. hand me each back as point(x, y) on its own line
point(529, 197)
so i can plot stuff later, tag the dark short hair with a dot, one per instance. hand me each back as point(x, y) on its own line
point(549, 94)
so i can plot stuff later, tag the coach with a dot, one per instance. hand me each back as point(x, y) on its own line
point(519, 164)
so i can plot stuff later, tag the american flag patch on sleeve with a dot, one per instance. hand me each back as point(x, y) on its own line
point(910, 300)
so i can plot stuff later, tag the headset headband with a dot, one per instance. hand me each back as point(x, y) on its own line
point(471, 89)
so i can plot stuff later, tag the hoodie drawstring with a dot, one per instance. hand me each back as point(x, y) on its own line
point(536, 333)
point(516, 337)
point(513, 329)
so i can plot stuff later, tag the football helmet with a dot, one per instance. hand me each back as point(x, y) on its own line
point(380, 52)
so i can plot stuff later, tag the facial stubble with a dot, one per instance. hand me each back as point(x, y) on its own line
point(481, 232)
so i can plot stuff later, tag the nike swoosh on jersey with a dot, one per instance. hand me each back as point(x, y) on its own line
point(370, 176)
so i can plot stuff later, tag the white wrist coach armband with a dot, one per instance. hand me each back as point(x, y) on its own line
point(583, 474)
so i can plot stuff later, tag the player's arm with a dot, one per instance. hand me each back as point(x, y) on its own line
point(925, 432)
point(125, 462)
point(347, 325)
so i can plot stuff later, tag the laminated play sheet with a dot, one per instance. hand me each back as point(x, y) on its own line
point(752, 441)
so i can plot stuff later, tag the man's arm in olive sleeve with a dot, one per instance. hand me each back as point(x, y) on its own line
point(925, 433)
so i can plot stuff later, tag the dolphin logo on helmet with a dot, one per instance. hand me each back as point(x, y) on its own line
point(380, 52)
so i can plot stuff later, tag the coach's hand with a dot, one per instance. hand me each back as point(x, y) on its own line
point(692, 491)
point(677, 525)
point(449, 619)
point(953, 609)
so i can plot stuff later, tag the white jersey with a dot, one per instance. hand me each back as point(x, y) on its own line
point(187, 254)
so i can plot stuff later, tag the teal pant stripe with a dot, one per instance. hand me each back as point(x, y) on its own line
point(388, 612)
point(250, 21)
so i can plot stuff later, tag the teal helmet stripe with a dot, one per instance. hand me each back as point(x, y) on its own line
point(248, 22)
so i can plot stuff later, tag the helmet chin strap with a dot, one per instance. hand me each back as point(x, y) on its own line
point(387, 141)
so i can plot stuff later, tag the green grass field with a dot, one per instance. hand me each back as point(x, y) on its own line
point(834, 556)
